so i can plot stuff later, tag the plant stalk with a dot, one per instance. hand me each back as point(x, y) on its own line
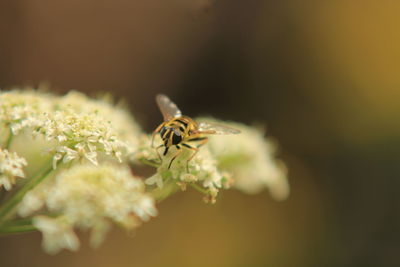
point(199, 189)
point(17, 229)
point(9, 140)
point(12, 202)
point(17, 226)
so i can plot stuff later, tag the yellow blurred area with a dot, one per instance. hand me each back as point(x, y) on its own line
point(357, 44)
point(352, 59)
point(322, 75)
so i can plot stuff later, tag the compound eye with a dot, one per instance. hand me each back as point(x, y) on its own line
point(176, 139)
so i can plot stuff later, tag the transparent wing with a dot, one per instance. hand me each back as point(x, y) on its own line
point(168, 108)
point(215, 128)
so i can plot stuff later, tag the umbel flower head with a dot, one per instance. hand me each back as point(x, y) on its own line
point(79, 174)
point(78, 127)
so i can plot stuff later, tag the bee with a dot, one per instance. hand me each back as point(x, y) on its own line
point(182, 131)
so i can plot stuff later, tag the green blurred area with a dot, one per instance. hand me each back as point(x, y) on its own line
point(323, 76)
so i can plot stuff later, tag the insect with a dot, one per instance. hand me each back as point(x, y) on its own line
point(182, 131)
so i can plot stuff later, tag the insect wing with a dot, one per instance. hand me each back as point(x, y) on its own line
point(168, 108)
point(215, 128)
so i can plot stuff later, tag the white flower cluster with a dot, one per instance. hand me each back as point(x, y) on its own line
point(122, 122)
point(90, 197)
point(80, 127)
point(11, 166)
point(81, 136)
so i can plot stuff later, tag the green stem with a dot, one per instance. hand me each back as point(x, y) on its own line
point(19, 222)
point(169, 188)
point(17, 229)
point(200, 189)
point(9, 140)
point(13, 201)
point(17, 226)
point(22, 225)
point(150, 163)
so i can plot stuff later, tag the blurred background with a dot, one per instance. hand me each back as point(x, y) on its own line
point(323, 76)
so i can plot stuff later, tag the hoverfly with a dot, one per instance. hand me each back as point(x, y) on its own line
point(183, 132)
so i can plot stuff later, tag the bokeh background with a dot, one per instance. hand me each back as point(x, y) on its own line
point(323, 76)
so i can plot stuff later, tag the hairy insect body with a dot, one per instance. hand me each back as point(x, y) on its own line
point(183, 132)
point(177, 130)
point(180, 132)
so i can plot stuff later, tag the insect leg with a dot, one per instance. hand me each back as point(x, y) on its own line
point(202, 141)
point(155, 132)
point(194, 153)
point(166, 150)
point(176, 155)
point(158, 153)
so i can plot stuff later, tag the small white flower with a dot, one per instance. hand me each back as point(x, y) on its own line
point(32, 201)
point(144, 208)
point(57, 233)
point(64, 153)
point(56, 158)
point(155, 179)
point(98, 232)
point(11, 167)
point(89, 153)
point(69, 154)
